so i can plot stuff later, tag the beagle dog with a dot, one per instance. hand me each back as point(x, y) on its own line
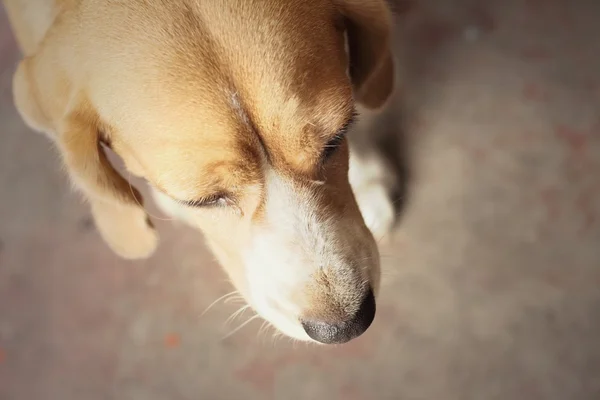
point(236, 112)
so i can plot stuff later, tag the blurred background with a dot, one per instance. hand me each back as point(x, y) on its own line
point(491, 283)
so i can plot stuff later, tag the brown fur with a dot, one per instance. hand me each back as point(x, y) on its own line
point(192, 105)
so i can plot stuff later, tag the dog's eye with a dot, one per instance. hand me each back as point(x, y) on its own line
point(216, 200)
point(338, 139)
point(333, 145)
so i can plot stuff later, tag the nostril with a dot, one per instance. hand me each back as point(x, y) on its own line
point(366, 313)
point(323, 332)
point(342, 332)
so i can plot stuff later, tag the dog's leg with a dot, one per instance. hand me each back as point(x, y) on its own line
point(372, 177)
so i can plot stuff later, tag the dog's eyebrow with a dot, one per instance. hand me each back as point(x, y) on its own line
point(349, 122)
point(334, 142)
point(342, 130)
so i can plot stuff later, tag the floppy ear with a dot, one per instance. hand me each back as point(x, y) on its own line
point(116, 205)
point(368, 26)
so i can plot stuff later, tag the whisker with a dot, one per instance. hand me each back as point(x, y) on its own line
point(241, 326)
point(262, 327)
point(238, 299)
point(225, 297)
point(236, 314)
point(262, 331)
point(277, 335)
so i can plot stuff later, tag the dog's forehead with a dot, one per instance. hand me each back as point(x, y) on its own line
point(254, 76)
point(292, 89)
point(279, 74)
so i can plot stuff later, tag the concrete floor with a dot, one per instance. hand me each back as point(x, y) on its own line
point(491, 285)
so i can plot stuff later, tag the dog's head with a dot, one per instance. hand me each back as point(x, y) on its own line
point(236, 112)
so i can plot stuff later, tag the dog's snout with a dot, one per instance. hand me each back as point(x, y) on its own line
point(342, 332)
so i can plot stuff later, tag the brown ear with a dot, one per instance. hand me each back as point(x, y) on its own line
point(368, 26)
point(116, 205)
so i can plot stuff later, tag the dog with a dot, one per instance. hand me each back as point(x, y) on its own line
point(238, 114)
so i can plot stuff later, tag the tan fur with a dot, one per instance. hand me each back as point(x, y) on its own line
point(197, 97)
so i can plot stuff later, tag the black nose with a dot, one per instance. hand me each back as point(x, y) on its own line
point(336, 333)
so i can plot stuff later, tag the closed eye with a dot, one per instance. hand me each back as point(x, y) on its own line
point(335, 142)
point(333, 145)
point(216, 200)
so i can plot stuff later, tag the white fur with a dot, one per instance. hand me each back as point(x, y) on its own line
point(373, 183)
point(286, 250)
point(295, 239)
point(291, 243)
